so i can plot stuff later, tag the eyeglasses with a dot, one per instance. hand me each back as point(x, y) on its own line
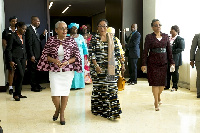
point(157, 25)
point(63, 28)
point(100, 26)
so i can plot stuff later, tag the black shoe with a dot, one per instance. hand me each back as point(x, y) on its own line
point(55, 118)
point(131, 83)
point(41, 88)
point(62, 122)
point(198, 96)
point(166, 88)
point(11, 91)
point(22, 96)
point(35, 89)
point(16, 98)
point(128, 81)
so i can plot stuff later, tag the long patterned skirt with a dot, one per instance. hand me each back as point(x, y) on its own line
point(104, 100)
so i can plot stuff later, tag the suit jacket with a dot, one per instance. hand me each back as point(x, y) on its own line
point(15, 48)
point(5, 34)
point(177, 47)
point(195, 51)
point(133, 46)
point(152, 58)
point(34, 47)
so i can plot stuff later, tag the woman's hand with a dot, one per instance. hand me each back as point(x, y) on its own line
point(123, 69)
point(98, 70)
point(192, 64)
point(172, 65)
point(144, 68)
point(57, 62)
point(12, 64)
point(65, 63)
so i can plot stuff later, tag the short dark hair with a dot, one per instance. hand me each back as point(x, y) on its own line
point(20, 24)
point(154, 20)
point(102, 20)
point(33, 18)
point(13, 17)
point(176, 28)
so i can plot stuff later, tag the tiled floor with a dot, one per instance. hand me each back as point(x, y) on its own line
point(179, 113)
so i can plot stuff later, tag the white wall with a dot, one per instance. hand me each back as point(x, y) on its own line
point(2, 26)
point(176, 12)
point(182, 13)
point(148, 16)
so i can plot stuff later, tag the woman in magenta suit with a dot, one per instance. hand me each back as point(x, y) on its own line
point(157, 52)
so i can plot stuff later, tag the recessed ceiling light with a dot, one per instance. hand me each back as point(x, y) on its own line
point(65, 10)
point(51, 3)
point(70, 5)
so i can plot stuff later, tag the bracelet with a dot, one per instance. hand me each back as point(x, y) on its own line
point(67, 62)
point(122, 62)
point(95, 66)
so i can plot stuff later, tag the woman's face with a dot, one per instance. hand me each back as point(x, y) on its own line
point(102, 27)
point(13, 22)
point(74, 30)
point(61, 30)
point(156, 26)
point(21, 30)
point(84, 30)
point(173, 32)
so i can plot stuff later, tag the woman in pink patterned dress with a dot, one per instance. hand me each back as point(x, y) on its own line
point(87, 38)
point(61, 57)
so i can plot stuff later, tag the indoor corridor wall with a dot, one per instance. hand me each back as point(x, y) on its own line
point(183, 14)
point(2, 26)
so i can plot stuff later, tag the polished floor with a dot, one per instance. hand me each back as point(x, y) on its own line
point(179, 113)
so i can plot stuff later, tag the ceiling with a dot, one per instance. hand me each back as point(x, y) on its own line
point(78, 7)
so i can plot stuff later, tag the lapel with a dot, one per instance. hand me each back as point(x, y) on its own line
point(17, 39)
point(175, 42)
point(34, 33)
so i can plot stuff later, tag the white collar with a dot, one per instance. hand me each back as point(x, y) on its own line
point(174, 37)
point(11, 29)
point(34, 28)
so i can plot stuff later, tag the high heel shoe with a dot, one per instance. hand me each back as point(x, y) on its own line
point(157, 109)
point(55, 117)
point(62, 122)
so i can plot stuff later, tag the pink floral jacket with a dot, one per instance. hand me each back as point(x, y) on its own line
point(51, 49)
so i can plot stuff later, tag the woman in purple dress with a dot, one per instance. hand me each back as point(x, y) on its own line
point(157, 52)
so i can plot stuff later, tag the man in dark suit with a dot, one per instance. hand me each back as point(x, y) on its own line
point(133, 53)
point(34, 50)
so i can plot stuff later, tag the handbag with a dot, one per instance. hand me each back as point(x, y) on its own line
point(121, 83)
